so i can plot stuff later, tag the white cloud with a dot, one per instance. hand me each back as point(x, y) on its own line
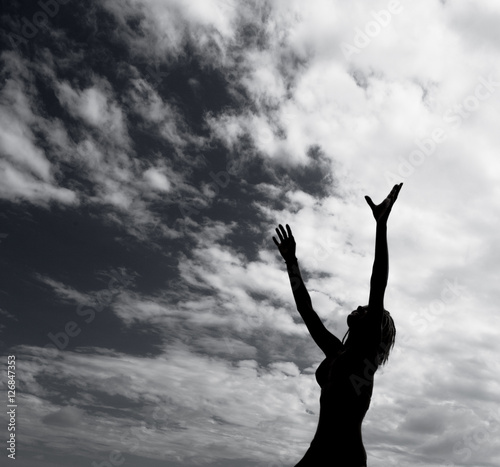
point(157, 180)
point(16, 143)
point(216, 392)
point(95, 106)
point(18, 186)
point(64, 291)
point(25, 171)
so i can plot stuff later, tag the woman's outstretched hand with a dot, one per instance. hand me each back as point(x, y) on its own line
point(381, 211)
point(287, 245)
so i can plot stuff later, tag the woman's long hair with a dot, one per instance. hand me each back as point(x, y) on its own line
point(387, 339)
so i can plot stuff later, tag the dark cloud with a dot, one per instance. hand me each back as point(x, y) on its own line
point(67, 417)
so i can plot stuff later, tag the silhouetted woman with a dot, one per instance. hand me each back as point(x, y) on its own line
point(346, 374)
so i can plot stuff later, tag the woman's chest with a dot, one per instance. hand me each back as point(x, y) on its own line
point(345, 368)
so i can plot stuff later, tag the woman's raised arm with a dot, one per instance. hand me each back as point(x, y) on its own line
point(380, 272)
point(325, 340)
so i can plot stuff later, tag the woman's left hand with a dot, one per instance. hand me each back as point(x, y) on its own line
point(381, 211)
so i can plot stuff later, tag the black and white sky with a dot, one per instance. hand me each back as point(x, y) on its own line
point(148, 150)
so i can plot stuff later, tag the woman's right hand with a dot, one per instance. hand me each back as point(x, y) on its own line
point(287, 245)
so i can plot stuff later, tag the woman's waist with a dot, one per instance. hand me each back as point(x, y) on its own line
point(342, 417)
point(339, 446)
point(345, 397)
point(340, 423)
point(351, 384)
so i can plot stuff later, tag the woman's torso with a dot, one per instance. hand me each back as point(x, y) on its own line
point(346, 381)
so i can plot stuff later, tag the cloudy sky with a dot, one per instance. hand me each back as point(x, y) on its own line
point(148, 150)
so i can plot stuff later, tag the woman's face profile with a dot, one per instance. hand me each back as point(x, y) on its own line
point(356, 316)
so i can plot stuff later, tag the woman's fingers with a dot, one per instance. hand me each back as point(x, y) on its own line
point(395, 192)
point(283, 231)
point(370, 202)
point(283, 234)
point(384, 208)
